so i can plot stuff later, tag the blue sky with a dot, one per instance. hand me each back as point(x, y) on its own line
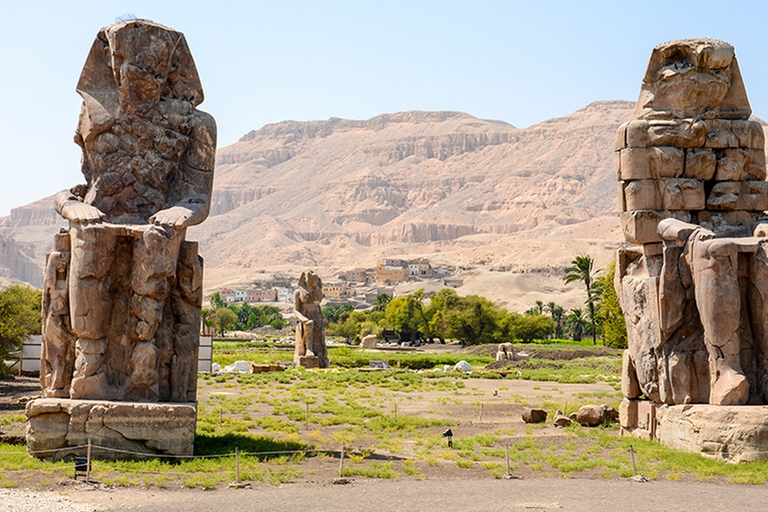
point(264, 62)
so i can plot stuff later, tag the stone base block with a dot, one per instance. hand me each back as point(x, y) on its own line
point(734, 433)
point(308, 361)
point(59, 428)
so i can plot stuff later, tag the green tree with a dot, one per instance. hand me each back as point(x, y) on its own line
point(406, 313)
point(557, 313)
point(20, 307)
point(381, 301)
point(475, 320)
point(337, 312)
point(609, 314)
point(206, 317)
point(581, 270)
point(576, 323)
point(216, 301)
point(528, 327)
point(439, 305)
point(225, 319)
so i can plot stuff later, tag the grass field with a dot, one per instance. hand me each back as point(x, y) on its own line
point(292, 425)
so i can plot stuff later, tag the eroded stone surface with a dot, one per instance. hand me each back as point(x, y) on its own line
point(691, 186)
point(123, 288)
point(60, 428)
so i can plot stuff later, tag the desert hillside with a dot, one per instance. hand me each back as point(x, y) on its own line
point(340, 194)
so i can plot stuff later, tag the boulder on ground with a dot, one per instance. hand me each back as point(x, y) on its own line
point(594, 415)
point(369, 341)
point(561, 420)
point(534, 415)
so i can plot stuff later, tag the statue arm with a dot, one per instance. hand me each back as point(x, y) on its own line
point(674, 229)
point(74, 209)
point(194, 186)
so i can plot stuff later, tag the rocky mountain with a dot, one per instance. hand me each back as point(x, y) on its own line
point(337, 194)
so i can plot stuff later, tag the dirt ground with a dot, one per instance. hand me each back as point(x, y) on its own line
point(446, 495)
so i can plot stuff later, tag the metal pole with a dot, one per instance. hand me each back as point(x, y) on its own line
point(632, 454)
point(88, 463)
point(341, 462)
point(237, 465)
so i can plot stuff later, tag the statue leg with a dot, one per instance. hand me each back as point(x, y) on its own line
point(92, 256)
point(57, 361)
point(187, 299)
point(155, 255)
point(758, 294)
point(718, 298)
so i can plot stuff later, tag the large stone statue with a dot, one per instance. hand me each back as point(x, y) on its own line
point(692, 191)
point(123, 288)
point(311, 351)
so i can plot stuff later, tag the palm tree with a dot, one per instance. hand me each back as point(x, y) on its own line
point(581, 270)
point(557, 313)
point(575, 322)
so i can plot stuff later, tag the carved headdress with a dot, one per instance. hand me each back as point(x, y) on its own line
point(693, 78)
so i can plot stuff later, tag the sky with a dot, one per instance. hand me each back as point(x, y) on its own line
point(264, 62)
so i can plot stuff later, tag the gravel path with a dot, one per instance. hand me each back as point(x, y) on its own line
point(577, 495)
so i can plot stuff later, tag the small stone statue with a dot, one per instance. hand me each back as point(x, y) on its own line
point(123, 288)
point(693, 195)
point(311, 351)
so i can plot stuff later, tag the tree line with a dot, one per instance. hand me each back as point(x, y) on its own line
point(473, 319)
point(222, 317)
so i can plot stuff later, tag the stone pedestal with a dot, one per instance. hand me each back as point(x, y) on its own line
point(308, 361)
point(60, 428)
point(733, 433)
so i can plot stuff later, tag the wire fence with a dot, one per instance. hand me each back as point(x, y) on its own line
point(85, 464)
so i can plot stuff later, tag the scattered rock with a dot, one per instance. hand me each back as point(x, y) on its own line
point(534, 416)
point(561, 420)
point(594, 415)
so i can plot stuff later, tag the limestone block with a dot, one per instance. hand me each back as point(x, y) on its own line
point(700, 164)
point(534, 416)
point(634, 164)
point(754, 168)
point(594, 415)
point(629, 386)
point(724, 196)
point(620, 137)
point(622, 201)
point(731, 433)
point(642, 195)
point(682, 194)
point(731, 164)
point(733, 218)
point(637, 134)
point(749, 134)
point(144, 428)
point(639, 226)
point(656, 162)
point(719, 134)
point(754, 195)
point(628, 413)
point(681, 133)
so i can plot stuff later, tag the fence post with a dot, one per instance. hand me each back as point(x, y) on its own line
point(509, 473)
point(632, 454)
point(341, 462)
point(237, 465)
point(88, 463)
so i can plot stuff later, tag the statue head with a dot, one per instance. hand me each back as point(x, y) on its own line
point(133, 64)
point(693, 78)
point(310, 287)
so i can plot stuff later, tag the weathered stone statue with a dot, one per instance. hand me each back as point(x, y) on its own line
point(123, 288)
point(311, 351)
point(692, 190)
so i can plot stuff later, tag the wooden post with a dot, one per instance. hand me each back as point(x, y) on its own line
point(237, 465)
point(395, 413)
point(341, 462)
point(632, 454)
point(88, 463)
